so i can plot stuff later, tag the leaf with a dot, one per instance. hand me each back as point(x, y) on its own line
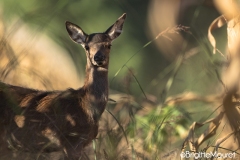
point(217, 23)
point(209, 132)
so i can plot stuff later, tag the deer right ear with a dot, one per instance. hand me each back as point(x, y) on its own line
point(116, 29)
point(76, 33)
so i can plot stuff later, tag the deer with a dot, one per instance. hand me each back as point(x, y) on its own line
point(60, 120)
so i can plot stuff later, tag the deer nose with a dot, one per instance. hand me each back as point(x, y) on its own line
point(99, 57)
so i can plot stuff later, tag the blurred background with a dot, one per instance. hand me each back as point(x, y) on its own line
point(164, 51)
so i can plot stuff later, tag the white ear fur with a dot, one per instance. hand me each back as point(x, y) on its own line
point(76, 33)
point(116, 29)
point(111, 34)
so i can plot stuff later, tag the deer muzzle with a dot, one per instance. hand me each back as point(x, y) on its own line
point(99, 58)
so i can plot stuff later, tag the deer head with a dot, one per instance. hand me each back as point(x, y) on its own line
point(96, 45)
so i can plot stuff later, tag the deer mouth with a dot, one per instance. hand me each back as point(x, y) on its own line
point(99, 63)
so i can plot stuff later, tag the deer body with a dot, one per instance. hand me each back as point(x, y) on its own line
point(40, 121)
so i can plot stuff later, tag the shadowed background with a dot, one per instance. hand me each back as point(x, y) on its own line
point(36, 52)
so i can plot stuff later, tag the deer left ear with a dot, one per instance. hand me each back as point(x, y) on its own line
point(116, 29)
point(76, 33)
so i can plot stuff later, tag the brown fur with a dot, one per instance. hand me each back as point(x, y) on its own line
point(48, 121)
point(64, 114)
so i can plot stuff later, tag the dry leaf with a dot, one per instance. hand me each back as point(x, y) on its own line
point(217, 23)
point(221, 140)
point(209, 132)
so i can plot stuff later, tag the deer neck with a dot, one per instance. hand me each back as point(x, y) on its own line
point(96, 88)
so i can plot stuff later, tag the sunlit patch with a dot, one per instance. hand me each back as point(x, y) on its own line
point(51, 135)
point(19, 120)
point(73, 134)
point(26, 101)
point(70, 119)
point(45, 102)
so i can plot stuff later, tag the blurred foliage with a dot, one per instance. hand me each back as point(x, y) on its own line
point(156, 127)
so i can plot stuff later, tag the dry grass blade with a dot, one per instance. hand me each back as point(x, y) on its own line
point(121, 127)
point(190, 96)
point(173, 30)
point(217, 23)
point(221, 140)
point(135, 78)
point(192, 52)
point(190, 137)
point(209, 132)
point(232, 112)
point(171, 155)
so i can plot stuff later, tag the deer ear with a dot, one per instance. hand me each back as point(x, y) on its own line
point(76, 33)
point(116, 29)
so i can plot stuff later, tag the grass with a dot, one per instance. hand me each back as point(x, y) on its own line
point(162, 125)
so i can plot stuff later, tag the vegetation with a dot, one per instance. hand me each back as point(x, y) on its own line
point(167, 88)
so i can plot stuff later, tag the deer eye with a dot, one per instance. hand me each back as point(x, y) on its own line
point(86, 47)
point(109, 46)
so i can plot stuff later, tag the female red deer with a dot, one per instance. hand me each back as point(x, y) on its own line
point(49, 121)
